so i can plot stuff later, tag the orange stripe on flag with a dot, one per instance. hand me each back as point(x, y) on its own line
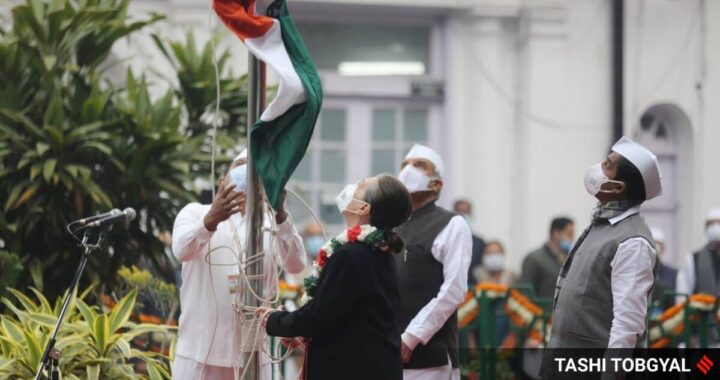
point(239, 16)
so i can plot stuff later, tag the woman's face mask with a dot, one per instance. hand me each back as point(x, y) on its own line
point(493, 261)
point(346, 197)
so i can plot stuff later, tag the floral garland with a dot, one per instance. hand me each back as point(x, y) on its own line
point(520, 309)
point(671, 322)
point(365, 234)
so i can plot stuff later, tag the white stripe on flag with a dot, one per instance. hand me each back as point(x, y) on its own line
point(270, 49)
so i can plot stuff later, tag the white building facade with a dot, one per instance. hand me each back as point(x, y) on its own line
point(516, 95)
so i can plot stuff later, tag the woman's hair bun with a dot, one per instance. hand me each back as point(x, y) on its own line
point(393, 242)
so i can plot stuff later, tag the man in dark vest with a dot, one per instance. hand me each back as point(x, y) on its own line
point(605, 283)
point(701, 272)
point(541, 267)
point(432, 272)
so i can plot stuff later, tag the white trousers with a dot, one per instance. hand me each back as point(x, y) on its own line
point(446, 372)
point(188, 369)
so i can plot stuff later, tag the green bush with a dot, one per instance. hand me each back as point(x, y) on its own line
point(73, 143)
point(93, 344)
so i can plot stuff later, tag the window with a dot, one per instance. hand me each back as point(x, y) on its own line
point(365, 49)
point(354, 139)
point(322, 172)
point(394, 132)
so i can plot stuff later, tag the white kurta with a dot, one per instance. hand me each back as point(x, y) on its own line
point(209, 332)
point(453, 249)
point(632, 279)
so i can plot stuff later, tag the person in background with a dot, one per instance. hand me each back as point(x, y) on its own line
point(541, 267)
point(313, 237)
point(432, 272)
point(666, 276)
point(493, 266)
point(463, 208)
point(701, 272)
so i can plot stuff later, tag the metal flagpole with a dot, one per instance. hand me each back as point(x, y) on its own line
point(254, 207)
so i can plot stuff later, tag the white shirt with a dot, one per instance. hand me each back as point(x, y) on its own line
point(453, 249)
point(685, 281)
point(631, 280)
point(203, 311)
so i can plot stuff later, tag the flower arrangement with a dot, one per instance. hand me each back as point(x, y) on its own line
point(671, 322)
point(365, 234)
point(519, 308)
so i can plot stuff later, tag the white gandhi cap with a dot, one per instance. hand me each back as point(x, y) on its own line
point(421, 151)
point(645, 161)
point(713, 214)
point(242, 155)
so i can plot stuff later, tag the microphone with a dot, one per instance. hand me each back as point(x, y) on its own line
point(84, 221)
point(124, 217)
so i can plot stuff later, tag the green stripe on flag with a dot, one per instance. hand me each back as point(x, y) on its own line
point(277, 146)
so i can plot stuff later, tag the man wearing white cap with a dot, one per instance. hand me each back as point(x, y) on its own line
point(208, 240)
point(605, 283)
point(432, 272)
point(701, 272)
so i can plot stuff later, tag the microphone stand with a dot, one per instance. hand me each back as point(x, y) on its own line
point(51, 356)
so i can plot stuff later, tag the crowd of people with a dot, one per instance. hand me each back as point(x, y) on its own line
point(381, 298)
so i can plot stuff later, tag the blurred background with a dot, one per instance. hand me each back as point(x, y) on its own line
point(519, 97)
point(111, 103)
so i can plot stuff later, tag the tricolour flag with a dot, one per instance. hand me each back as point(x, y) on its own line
point(280, 137)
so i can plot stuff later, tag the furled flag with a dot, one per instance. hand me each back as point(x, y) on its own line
point(280, 137)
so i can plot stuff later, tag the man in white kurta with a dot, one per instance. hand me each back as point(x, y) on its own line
point(432, 272)
point(206, 240)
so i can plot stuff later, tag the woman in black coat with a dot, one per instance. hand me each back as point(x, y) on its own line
point(350, 320)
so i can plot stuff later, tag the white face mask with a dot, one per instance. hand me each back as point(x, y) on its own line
point(346, 196)
point(713, 232)
point(595, 178)
point(238, 176)
point(414, 179)
point(493, 261)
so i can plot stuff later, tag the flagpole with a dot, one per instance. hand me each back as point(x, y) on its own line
point(254, 207)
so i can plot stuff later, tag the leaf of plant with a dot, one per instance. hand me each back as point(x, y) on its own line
point(124, 348)
point(45, 305)
point(26, 302)
point(122, 311)
point(93, 372)
point(101, 333)
point(49, 168)
point(33, 346)
point(13, 331)
point(27, 194)
point(88, 313)
point(42, 319)
point(153, 370)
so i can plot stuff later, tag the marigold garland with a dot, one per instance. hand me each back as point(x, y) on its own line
point(519, 308)
point(671, 322)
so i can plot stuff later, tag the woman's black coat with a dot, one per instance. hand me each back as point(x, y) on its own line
point(350, 319)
